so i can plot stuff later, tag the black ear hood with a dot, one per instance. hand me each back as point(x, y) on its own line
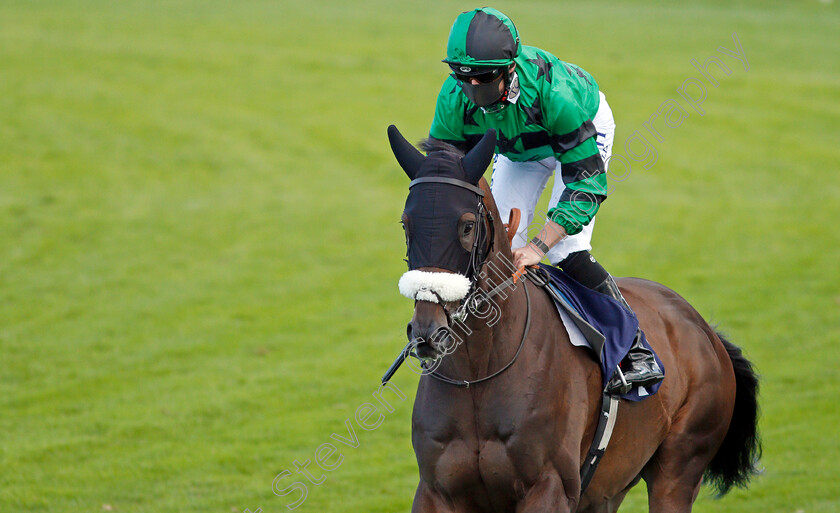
point(408, 156)
point(476, 161)
point(443, 188)
point(470, 168)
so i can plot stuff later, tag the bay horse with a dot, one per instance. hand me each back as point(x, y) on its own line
point(515, 438)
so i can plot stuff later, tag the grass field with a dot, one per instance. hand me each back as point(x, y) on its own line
point(199, 246)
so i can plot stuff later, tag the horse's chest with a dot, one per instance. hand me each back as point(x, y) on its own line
point(496, 456)
point(474, 467)
point(497, 466)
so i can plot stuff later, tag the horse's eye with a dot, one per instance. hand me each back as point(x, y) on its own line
point(468, 228)
point(405, 230)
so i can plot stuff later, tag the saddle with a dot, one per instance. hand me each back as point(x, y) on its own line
point(593, 320)
point(597, 322)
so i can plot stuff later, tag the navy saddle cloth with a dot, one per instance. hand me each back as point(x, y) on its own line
point(616, 325)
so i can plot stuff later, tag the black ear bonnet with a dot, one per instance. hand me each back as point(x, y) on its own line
point(444, 187)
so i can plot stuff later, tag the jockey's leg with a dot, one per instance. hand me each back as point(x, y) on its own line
point(639, 367)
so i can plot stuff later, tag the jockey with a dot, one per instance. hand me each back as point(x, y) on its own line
point(550, 118)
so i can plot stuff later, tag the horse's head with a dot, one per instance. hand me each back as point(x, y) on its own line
point(449, 233)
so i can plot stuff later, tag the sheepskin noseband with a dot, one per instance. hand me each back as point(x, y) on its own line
point(427, 286)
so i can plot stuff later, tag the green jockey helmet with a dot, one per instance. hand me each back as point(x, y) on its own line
point(482, 37)
point(479, 41)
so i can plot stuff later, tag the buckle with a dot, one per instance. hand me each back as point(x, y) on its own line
point(539, 276)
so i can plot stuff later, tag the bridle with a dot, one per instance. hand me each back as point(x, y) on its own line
point(476, 298)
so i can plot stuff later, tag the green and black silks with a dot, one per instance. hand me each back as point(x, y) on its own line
point(550, 115)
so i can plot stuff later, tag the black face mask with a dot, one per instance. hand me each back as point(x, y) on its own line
point(482, 95)
point(490, 80)
point(444, 187)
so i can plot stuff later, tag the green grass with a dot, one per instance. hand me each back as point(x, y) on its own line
point(199, 245)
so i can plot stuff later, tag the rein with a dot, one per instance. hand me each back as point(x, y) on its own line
point(540, 280)
point(467, 383)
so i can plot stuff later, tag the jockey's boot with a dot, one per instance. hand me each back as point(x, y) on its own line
point(639, 367)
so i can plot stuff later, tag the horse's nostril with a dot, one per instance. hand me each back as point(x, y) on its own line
point(443, 340)
point(408, 331)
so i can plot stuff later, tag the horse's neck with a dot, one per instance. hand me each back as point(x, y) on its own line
point(492, 333)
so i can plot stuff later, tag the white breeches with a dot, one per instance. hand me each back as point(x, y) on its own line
point(520, 185)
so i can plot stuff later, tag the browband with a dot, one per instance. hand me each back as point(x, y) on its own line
point(450, 181)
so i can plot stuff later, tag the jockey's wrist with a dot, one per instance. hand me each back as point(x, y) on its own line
point(541, 246)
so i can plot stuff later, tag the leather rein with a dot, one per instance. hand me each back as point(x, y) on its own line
point(468, 383)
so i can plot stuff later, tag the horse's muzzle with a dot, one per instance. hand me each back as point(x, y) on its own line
point(429, 331)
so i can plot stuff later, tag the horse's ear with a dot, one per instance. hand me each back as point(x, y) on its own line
point(477, 160)
point(408, 156)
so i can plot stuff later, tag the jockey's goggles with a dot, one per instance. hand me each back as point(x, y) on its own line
point(483, 75)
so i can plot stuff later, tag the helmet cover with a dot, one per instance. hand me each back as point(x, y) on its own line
point(482, 38)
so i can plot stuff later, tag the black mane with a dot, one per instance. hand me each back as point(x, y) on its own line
point(430, 144)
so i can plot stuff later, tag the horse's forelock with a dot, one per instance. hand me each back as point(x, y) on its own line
point(442, 159)
point(430, 145)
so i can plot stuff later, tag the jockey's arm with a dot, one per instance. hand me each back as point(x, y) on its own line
point(585, 180)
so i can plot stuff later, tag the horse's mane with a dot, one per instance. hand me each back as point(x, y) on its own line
point(431, 144)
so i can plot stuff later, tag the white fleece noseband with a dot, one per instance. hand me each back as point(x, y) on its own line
point(423, 286)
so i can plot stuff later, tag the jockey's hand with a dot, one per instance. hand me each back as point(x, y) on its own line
point(526, 256)
point(532, 253)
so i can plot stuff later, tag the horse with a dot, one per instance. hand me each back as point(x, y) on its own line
point(514, 438)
